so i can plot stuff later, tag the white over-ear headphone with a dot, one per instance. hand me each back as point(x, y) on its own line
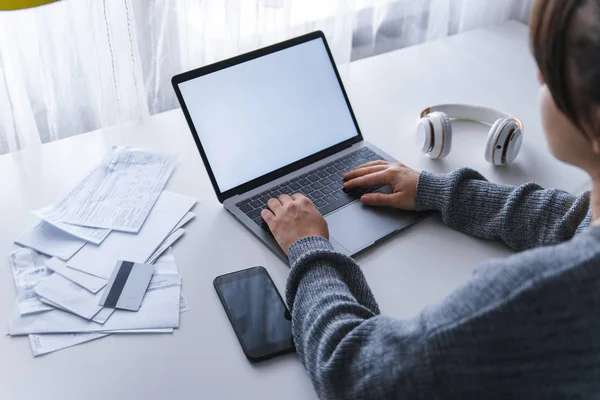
point(504, 140)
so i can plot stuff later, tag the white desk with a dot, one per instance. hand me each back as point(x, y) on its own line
point(202, 360)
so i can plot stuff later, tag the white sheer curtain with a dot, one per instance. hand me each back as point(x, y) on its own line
point(79, 65)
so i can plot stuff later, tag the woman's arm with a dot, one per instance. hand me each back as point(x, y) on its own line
point(523, 216)
point(519, 329)
point(347, 348)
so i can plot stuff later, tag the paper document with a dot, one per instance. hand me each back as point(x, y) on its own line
point(158, 330)
point(187, 218)
point(122, 190)
point(166, 264)
point(28, 269)
point(69, 295)
point(100, 318)
point(103, 315)
point(100, 260)
point(90, 282)
point(50, 240)
point(166, 267)
point(169, 241)
point(160, 309)
point(54, 216)
point(49, 342)
point(44, 344)
point(164, 281)
point(183, 305)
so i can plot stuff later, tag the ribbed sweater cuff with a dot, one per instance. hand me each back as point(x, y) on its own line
point(307, 245)
point(433, 191)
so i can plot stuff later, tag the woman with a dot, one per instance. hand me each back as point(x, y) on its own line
point(524, 327)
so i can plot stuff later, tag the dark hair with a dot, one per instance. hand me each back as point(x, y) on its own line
point(565, 38)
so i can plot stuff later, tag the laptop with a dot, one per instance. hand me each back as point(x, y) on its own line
point(278, 121)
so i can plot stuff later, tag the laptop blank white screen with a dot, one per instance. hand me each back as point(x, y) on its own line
point(258, 116)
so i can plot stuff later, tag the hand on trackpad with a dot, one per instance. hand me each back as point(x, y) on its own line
point(356, 227)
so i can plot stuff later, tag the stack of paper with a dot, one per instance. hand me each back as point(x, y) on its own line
point(119, 212)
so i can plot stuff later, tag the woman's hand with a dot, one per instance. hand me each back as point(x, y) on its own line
point(293, 218)
point(402, 179)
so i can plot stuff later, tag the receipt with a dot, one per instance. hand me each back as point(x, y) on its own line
point(55, 215)
point(120, 193)
point(28, 269)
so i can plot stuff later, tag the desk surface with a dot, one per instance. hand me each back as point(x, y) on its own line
point(203, 359)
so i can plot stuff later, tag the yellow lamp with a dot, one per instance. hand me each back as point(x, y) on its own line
point(6, 5)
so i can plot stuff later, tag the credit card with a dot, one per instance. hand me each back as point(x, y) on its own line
point(127, 286)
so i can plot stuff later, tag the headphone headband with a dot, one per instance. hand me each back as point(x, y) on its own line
point(484, 115)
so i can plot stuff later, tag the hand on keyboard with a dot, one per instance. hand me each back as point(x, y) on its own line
point(323, 186)
point(402, 179)
point(291, 218)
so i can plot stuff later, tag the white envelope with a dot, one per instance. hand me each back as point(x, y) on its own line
point(90, 282)
point(160, 309)
point(28, 269)
point(50, 240)
point(100, 261)
point(102, 316)
point(173, 237)
point(158, 330)
point(44, 344)
point(69, 295)
point(163, 281)
point(165, 264)
point(187, 218)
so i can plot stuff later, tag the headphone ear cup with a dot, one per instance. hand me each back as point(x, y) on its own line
point(425, 135)
point(430, 135)
point(491, 139)
point(500, 147)
point(514, 145)
point(447, 132)
point(440, 133)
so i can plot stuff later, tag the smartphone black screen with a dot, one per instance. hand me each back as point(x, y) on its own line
point(257, 312)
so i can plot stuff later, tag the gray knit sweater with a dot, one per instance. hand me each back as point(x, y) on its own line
point(524, 327)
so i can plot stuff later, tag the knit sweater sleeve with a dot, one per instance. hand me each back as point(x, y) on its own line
point(523, 217)
point(522, 327)
point(348, 349)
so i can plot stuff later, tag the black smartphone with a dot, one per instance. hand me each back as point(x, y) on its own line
point(257, 313)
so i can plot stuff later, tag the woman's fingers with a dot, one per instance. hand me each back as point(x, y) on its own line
point(383, 200)
point(364, 171)
point(274, 205)
point(377, 178)
point(285, 199)
point(372, 163)
point(267, 215)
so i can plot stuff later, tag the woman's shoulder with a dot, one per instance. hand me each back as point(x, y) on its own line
point(532, 279)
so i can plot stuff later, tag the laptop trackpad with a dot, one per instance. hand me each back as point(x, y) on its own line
point(356, 226)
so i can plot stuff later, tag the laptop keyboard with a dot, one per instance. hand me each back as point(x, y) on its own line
point(322, 185)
